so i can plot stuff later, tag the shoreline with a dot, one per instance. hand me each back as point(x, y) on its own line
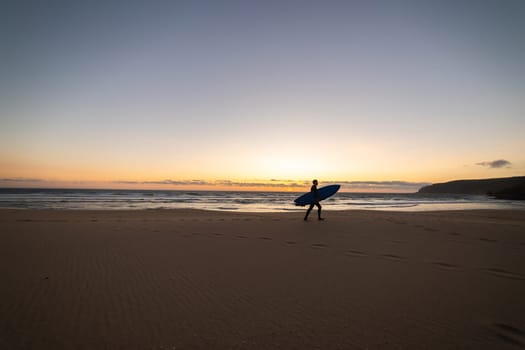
point(196, 279)
point(262, 202)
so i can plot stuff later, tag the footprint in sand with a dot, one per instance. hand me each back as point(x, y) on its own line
point(319, 245)
point(393, 257)
point(290, 242)
point(510, 334)
point(489, 240)
point(444, 265)
point(430, 229)
point(355, 253)
point(454, 234)
point(503, 273)
point(396, 221)
point(265, 238)
point(241, 236)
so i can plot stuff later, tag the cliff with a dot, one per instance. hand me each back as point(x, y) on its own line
point(504, 188)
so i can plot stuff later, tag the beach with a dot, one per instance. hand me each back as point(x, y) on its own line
point(192, 279)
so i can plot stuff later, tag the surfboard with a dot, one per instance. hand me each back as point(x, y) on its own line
point(324, 192)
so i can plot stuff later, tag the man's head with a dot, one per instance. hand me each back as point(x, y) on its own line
point(315, 182)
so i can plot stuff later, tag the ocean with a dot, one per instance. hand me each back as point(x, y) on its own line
point(95, 199)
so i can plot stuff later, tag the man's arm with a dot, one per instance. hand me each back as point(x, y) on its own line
point(315, 193)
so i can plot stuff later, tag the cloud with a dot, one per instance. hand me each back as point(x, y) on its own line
point(228, 183)
point(500, 163)
point(166, 182)
point(21, 180)
point(383, 185)
point(387, 186)
point(272, 183)
point(264, 184)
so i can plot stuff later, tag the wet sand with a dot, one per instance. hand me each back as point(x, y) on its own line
point(185, 279)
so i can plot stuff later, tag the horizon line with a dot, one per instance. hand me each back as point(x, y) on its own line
point(267, 185)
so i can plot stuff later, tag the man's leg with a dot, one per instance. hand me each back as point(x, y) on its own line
point(319, 211)
point(308, 212)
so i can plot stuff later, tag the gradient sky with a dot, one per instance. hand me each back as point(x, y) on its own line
point(164, 93)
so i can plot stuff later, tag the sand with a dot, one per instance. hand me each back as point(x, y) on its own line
point(184, 279)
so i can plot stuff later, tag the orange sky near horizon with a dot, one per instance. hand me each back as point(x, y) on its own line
point(280, 176)
point(81, 162)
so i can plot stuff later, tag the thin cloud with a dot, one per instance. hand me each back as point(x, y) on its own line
point(259, 184)
point(500, 163)
point(228, 183)
point(289, 184)
point(166, 182)
point(386, 185)
point(21, 180)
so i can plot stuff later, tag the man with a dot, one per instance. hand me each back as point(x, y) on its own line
point(315, 193)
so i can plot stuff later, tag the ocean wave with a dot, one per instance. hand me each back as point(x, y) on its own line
point(235, 201)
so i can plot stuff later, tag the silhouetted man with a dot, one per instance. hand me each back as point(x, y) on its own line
point(315, 193)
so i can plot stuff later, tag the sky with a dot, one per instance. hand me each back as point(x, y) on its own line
point(377, 95)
